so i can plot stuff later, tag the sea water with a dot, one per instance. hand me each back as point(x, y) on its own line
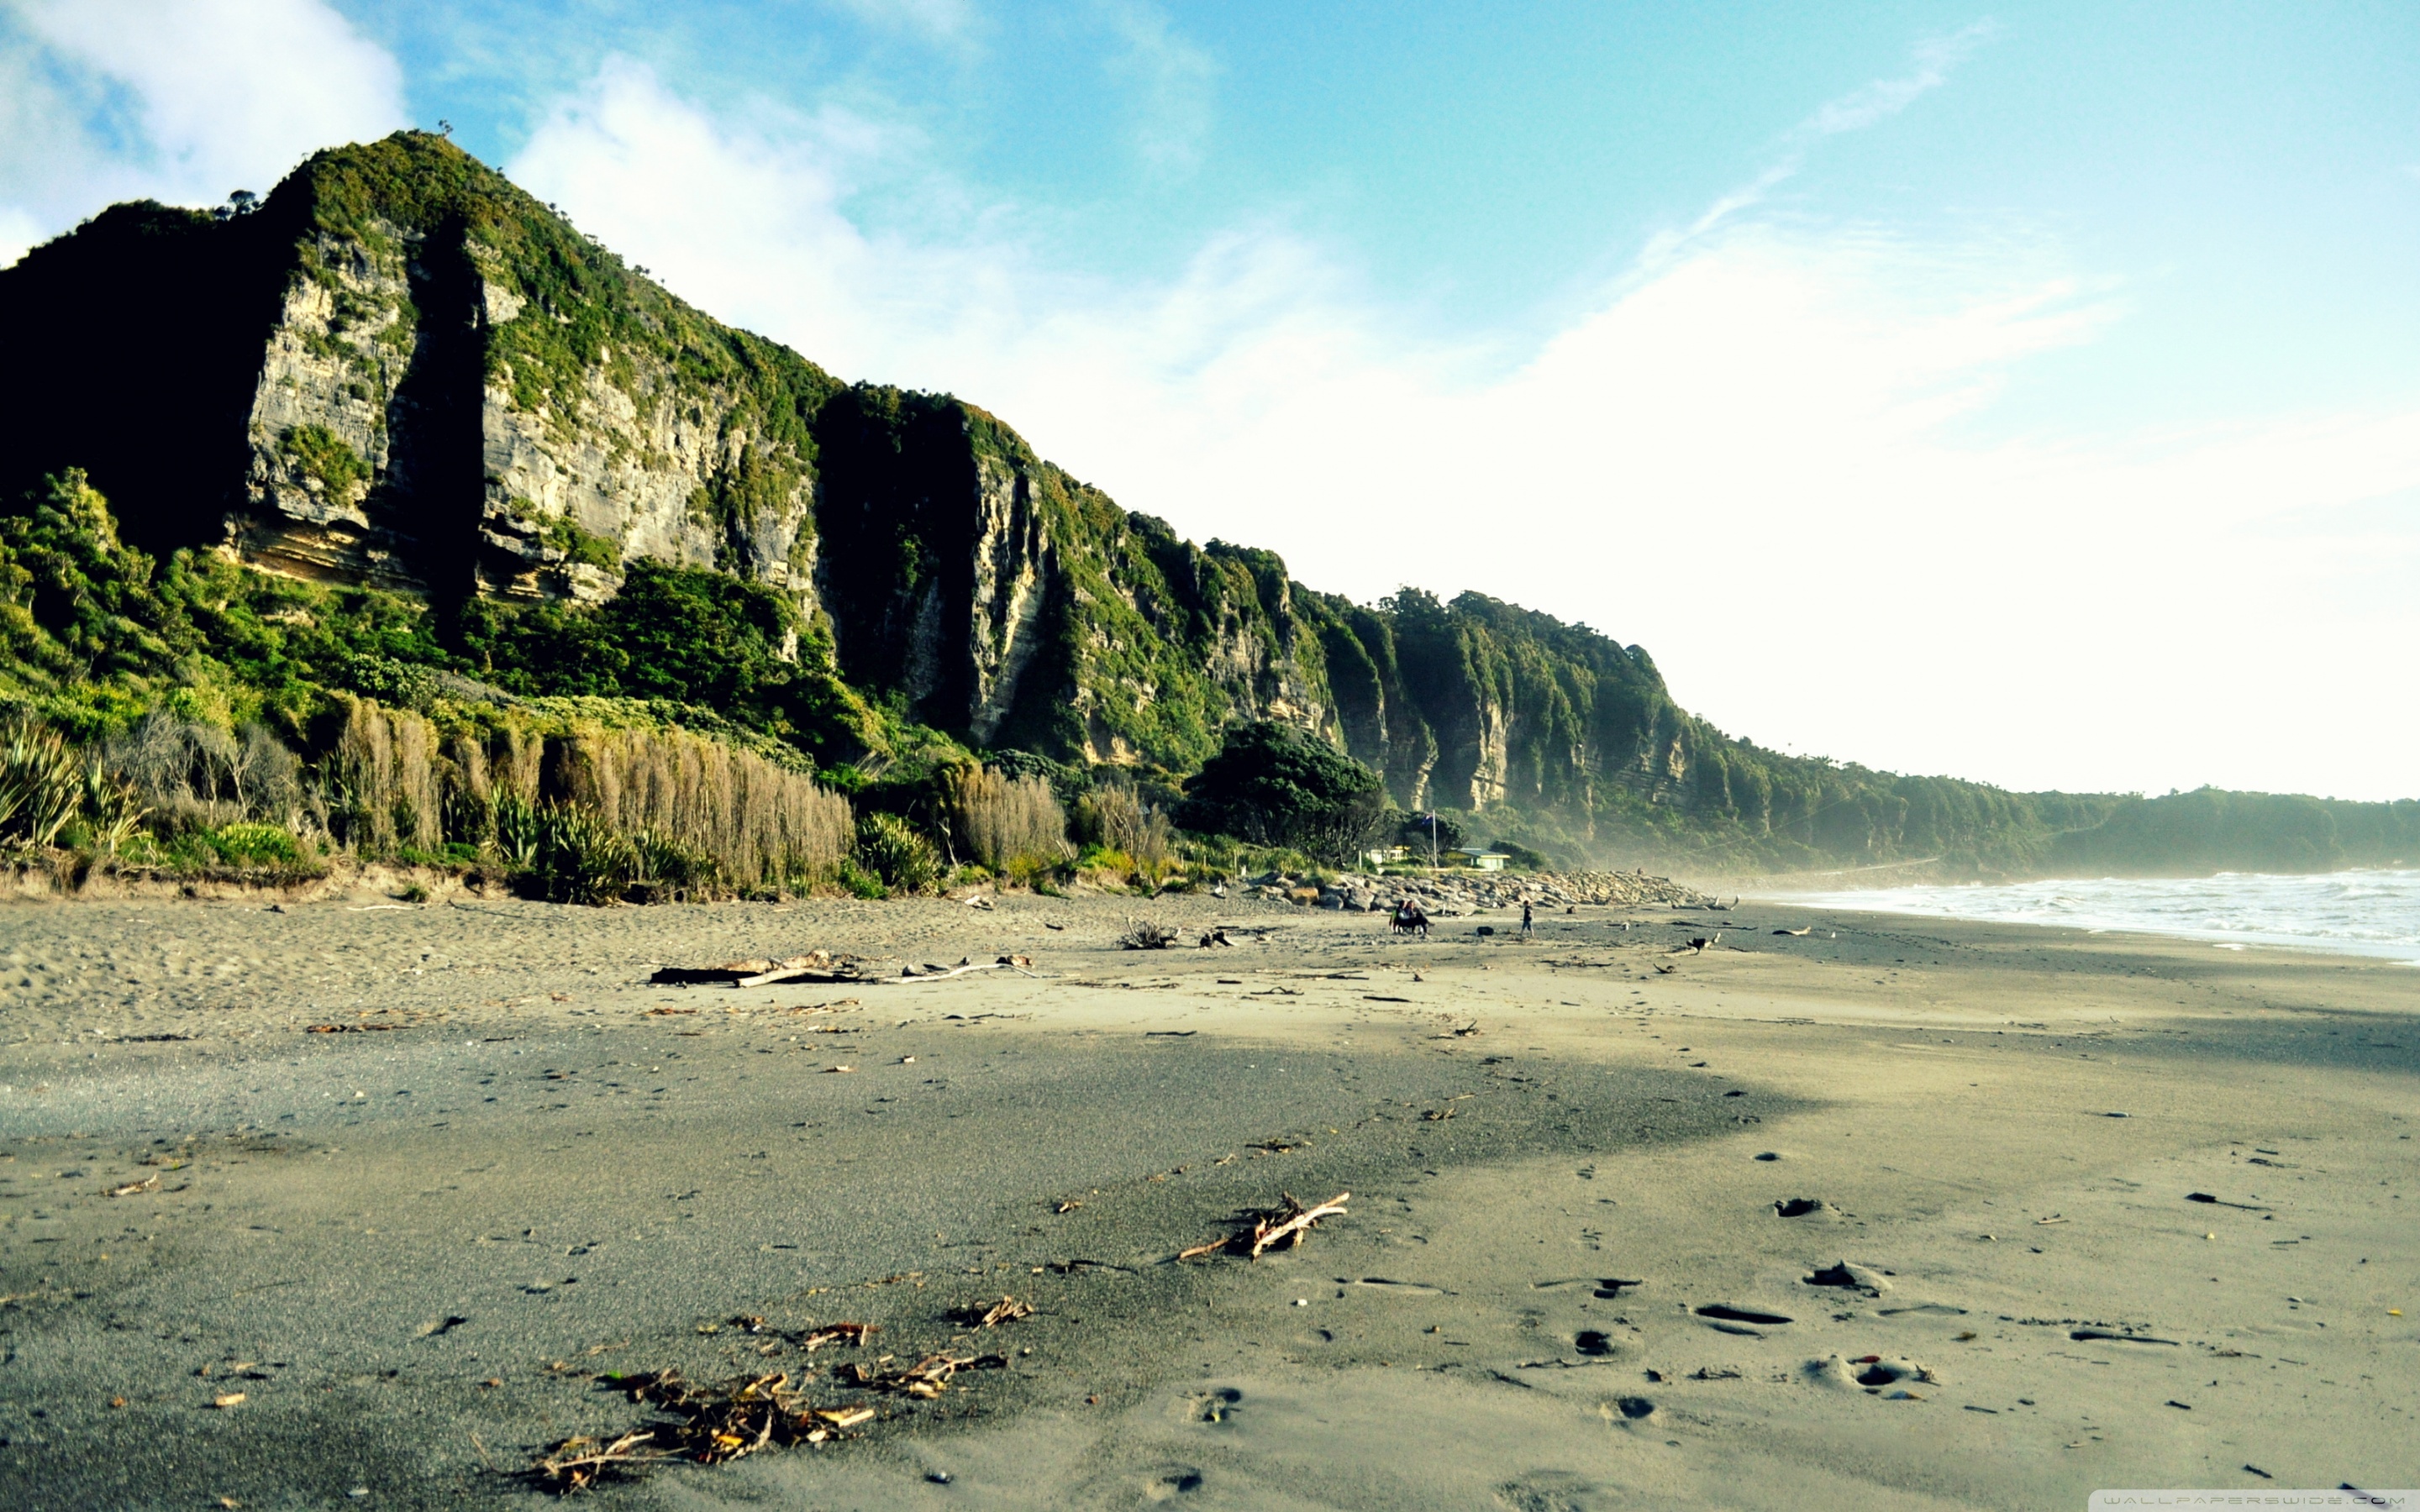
point(2355, 913)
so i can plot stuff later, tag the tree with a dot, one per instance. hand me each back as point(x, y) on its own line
point(1273, 784)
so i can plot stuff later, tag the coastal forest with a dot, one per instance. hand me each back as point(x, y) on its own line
point(390, 514)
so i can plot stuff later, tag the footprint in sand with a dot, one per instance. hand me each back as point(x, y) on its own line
point(1743, 1314)
point(1854, 1277)
point(1605, 1288)
point(1725, 1318)
point(1171, 1481)
point(1872, 1374)
point(1592, 1341)
point(1217, 1405)
point(1550, 1491)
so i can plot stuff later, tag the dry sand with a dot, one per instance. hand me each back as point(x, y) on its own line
point(411, 1248)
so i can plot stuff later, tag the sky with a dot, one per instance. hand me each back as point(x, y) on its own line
point(2018, 392)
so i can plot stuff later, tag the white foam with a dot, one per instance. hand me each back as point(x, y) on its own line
point(2352, 913)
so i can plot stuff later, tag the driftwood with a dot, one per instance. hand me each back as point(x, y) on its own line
point(577, 1463)
point(926, 1379)
point(1146, 934)
point(711, 1425)
point(837, 1334)
point(1006, 1310)
point(823, 967)
point(1287, 1225)
point(816, 965)
point(929, 972)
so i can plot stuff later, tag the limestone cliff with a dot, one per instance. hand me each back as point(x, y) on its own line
point(403, 372)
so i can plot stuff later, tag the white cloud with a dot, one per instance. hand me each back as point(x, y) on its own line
point(1928, 69)
point(1885, 98)
point(1169, 78)
point(178, 99)
point(942, 22)
point(1748, 455)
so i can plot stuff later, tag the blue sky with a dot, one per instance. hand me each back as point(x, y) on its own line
point(1832, 352)
point(1488, 168)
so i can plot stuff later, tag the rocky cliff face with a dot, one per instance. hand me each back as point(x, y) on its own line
point(403, 372)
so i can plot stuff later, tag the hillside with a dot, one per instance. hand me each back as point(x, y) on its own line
point(402, 431)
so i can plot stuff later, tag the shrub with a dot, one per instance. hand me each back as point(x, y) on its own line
point(1115, 818)
point(196, 774)
point(516, 834)
point(1522, 858)
point(584, 546)
point(581, 858)
point(1007, 822)
point(1273, 784)
point(678, 870)
point(761, 825)
point(381, 782)
point(893, 851)
point(111, 809)
point(321, 454)
point(42, 784)
point(251, 844)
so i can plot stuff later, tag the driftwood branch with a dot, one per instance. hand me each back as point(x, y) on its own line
point(825, 967)
point(1287, 1226)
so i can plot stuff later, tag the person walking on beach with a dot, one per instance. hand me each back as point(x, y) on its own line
point(1412, 918)
point(1529, 922)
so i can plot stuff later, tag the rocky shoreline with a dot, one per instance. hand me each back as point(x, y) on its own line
point(1450, 895)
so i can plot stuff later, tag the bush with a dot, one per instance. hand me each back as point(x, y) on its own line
point(581, 858)
point(193, 774)
point(1414, 832)
point(1522, 858)
point(762, 826)
point(42, 784)
point(1272, 784)
point(250, 844)
point(888, 848)
point(1008, 824)
point(320, 454)
point(1114, 817)
point(676, 870)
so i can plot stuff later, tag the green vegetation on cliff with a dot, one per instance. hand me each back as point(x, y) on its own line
point(405, 434)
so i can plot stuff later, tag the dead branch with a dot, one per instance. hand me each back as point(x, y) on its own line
point(576, 1464)
point(1006, 1310)
point(1295, 1223)
point(1286, 1224)
point(713, 1423)
point(926, 1379)
point(1146, 934)
point(854, 1334)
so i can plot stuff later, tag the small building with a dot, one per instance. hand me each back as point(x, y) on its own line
point(1386, 855)
point(1482, 861)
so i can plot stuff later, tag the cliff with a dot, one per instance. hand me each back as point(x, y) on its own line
point(402, 375)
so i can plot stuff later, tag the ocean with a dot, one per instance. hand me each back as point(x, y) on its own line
point(2352, 913)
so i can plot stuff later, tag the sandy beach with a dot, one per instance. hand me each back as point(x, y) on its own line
point(507, 1162)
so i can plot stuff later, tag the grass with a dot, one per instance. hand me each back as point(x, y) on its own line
point(587, 814)
point(1011, 824)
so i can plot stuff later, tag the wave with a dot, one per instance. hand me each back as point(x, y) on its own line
point(2353, 913)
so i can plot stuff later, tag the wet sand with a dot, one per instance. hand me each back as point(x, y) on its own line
point(413, 1248)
